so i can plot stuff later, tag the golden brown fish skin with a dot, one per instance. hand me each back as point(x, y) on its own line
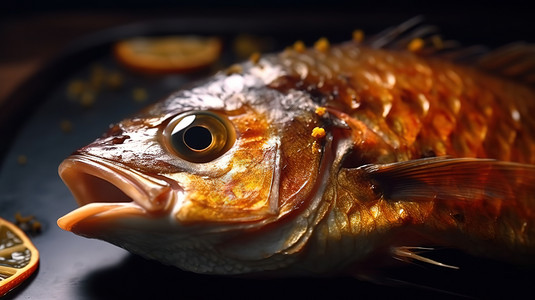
point(420, 106)
point(223, 195)
point(263, 183)
point(283, 199)
point(499, 228)
point(402, 106)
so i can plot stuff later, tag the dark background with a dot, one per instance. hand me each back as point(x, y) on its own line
point(43, 42)
point(32, 32)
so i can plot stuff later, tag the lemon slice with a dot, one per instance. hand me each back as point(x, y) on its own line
point(169, 54)
point(18, 257)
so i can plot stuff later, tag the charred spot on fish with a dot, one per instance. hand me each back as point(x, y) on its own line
point(459, 217)
point(316, 95)
point(428, 153)
point(199, 136)
point(320, 93)
point(119, 139)
point(355, 159)
point(286, 83)
point(378, 190)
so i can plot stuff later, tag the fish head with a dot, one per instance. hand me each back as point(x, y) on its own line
point(205, 170)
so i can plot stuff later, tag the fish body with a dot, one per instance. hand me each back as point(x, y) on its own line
point(227, 177)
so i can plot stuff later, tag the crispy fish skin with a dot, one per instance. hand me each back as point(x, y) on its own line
point(410, 117)
point(418, 106)
point(415, 151)
point(406, 114)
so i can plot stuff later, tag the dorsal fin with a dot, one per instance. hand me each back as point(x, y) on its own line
point(400, 37)
point(392, 35)
point(515, 61)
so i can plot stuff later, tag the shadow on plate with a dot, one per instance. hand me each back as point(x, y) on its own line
point(138, 278)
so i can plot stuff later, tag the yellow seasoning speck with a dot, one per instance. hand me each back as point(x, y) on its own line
point(315, 147)
point(139, 94)
point(255, 57)
point(22, 159)
point(299, 46)
point(318, 132)
point(97, 77)
point(437, 41)
point(114, 80)
point(320, 111)
point(20, 219)
point(415, 45)
point(75, 89)
point(66, 126)
point(322, 45)
point(87, 99)
point(358, 35)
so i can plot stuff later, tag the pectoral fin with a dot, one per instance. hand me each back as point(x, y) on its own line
point(482, 206)
point(455, 179)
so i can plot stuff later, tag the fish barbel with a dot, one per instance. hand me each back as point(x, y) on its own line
point(315, 160)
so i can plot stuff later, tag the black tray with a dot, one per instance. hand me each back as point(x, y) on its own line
point(73, 267)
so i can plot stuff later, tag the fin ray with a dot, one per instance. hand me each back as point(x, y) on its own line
point(407, 253)
point(392, 34)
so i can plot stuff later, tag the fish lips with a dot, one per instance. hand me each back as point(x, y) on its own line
point(107, 191)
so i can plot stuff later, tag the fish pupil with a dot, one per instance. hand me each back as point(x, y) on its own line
point(197, 138)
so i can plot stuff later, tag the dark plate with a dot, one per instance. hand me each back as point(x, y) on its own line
point(73, 267)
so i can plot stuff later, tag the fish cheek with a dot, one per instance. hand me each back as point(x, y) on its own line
point(240, 195)
point(244, 192)
point(300, 159)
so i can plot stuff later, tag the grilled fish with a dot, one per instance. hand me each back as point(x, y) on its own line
point(315, 160)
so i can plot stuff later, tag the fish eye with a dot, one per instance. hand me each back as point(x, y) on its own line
point(200, 136)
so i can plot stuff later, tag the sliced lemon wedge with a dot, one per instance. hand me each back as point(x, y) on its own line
point(169, 54)
point(18, 257)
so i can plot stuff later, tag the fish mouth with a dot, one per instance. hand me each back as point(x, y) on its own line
point(108, 191)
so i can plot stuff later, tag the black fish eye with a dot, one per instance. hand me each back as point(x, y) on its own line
point(199, 136)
